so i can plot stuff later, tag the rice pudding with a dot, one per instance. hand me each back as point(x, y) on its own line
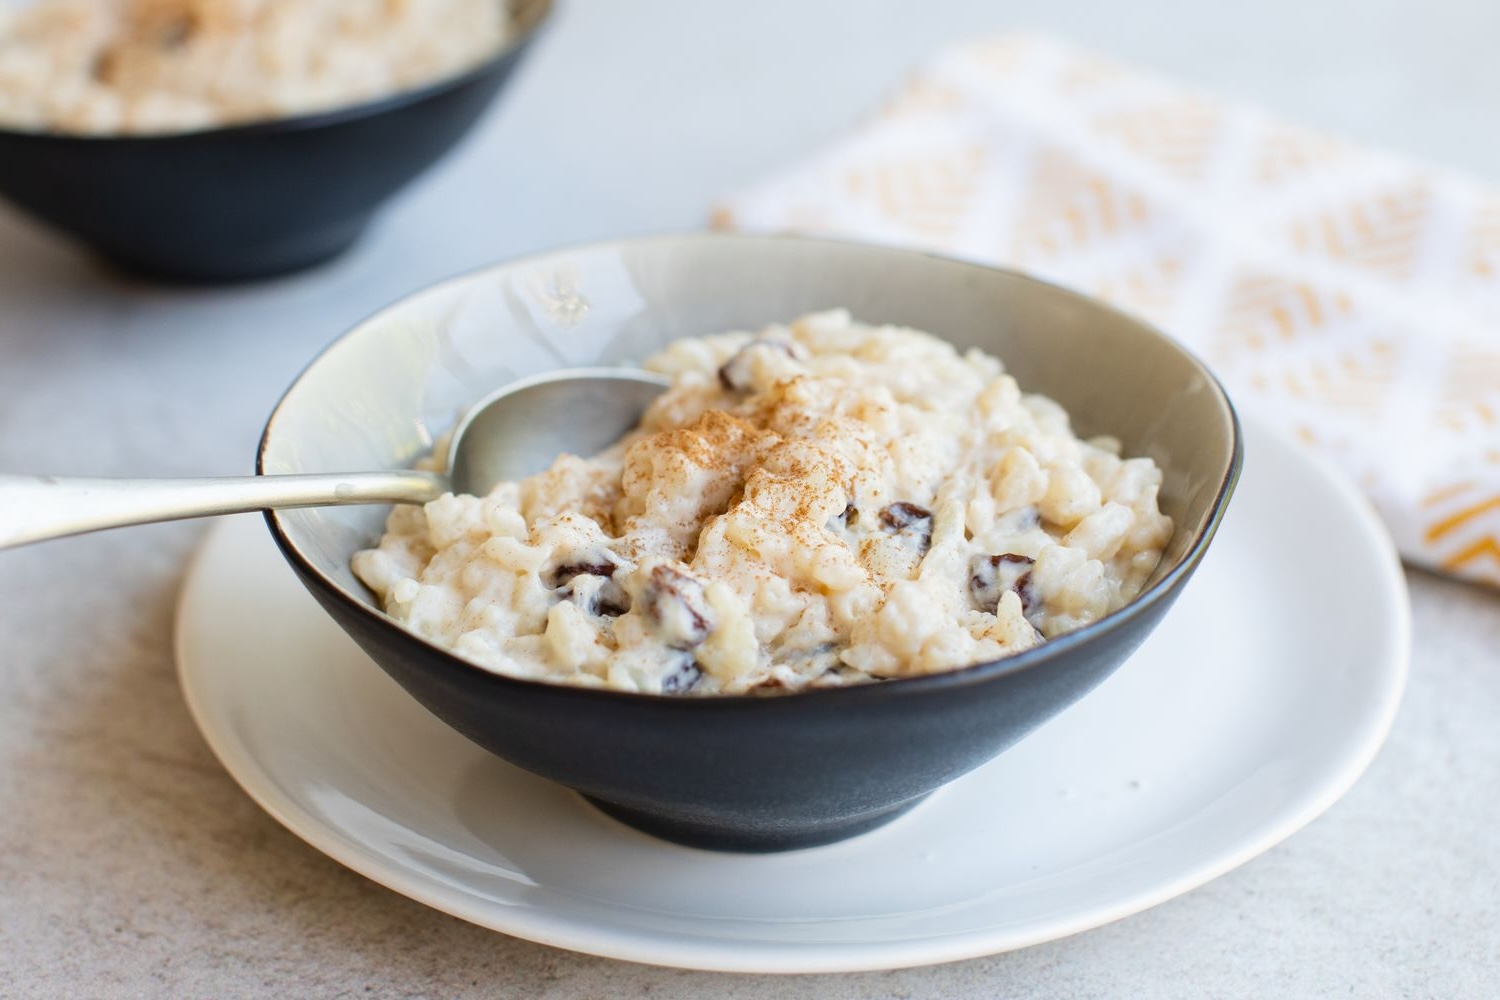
point(818, 504)
point(119, 67)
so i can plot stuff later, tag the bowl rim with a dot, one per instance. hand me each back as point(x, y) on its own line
point(527, 18)
point(1160, 590)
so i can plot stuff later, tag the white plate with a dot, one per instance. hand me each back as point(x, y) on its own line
point(1256, 704)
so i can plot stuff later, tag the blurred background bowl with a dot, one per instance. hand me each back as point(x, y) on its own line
point(254, 200)
point(740, 773)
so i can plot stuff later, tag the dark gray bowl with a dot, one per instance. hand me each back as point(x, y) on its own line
point(754, 774)
point(249, 201)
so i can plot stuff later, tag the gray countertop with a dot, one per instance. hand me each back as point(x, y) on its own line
point(130, 864)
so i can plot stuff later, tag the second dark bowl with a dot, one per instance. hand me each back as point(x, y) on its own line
point(249, 201)
point(739, 773)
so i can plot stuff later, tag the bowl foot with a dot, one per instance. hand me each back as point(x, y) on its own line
point(758, 840)
point(238, 262)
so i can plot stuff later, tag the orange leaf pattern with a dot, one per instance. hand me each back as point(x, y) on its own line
point(1348, 294)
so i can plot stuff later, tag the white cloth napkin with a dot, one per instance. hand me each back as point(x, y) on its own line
point(1351, 295)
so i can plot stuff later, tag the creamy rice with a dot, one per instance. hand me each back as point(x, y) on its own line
point(815, 505)
point(161, 66)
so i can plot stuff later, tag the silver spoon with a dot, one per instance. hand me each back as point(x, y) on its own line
point(514, 431)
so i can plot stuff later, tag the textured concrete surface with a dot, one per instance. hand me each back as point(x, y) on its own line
point(131, 865)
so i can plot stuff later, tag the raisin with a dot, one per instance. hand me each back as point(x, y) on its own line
point(840, 522)
point(909, 520)
point(175, 33)
point(902, 515)
point(991, 576)
point(734, 374)
point(596, 595)
point(683, 679)
point(168, 30)
point(1026, 591)
point(584, 567)
point(677, 606)
point(611, 601)
point(591, 584)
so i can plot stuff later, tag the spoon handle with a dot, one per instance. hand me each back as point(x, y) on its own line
point(34, 508)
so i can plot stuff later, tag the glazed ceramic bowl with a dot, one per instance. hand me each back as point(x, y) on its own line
point(740, 773)
point(249, 201)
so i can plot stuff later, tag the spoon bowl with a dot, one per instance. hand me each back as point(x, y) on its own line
point(521, 428)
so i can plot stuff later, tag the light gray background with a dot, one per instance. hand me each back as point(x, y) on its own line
point(130, 864)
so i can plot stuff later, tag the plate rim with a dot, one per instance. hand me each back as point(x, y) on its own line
point(537, 925)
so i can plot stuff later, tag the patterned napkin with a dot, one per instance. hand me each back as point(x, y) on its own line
point(1348, 294)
